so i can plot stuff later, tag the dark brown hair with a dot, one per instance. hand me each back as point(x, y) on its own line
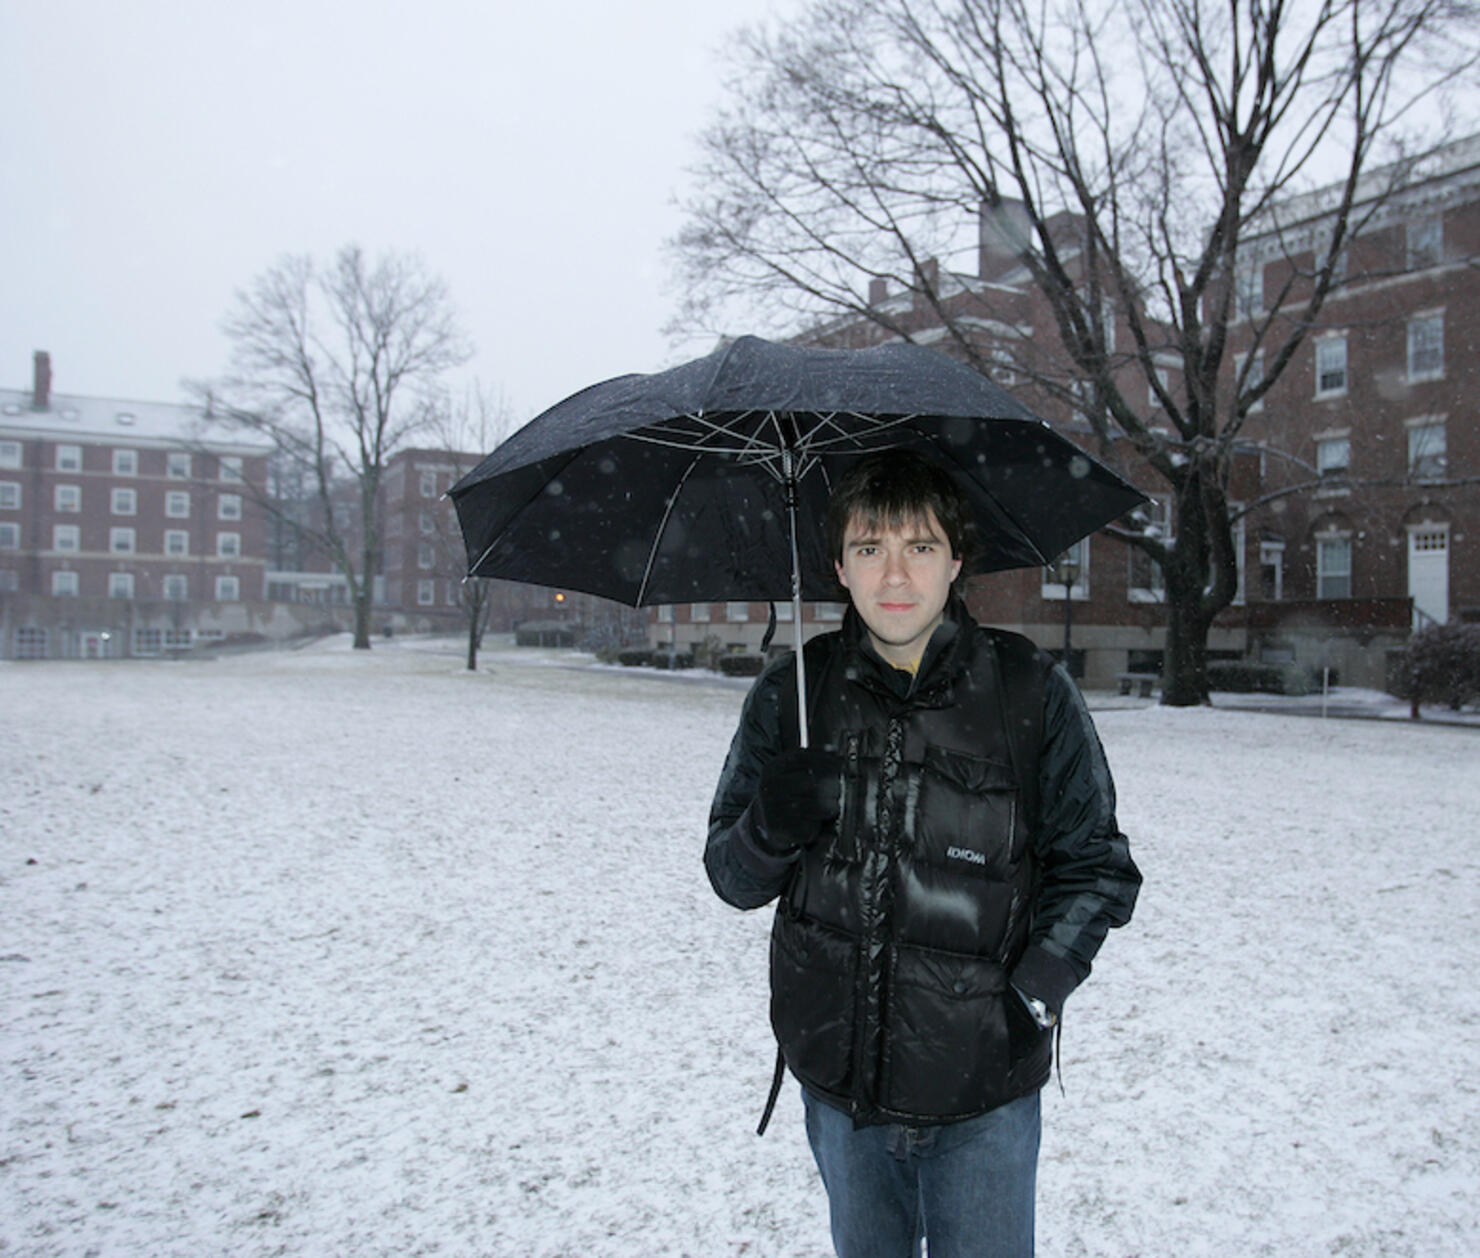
point(891, 489)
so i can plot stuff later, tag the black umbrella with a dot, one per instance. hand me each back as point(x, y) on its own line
point(687, 485)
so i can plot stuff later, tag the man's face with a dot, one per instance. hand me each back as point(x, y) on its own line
point(899, 580)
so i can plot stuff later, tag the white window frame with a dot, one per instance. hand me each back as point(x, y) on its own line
point(65, 583)
point(1324, 573)
point(229, 507)
point(1052, 590)
point(66, 538)
point(228, 545)
point(176, 542)
point(1423, 241)
point(10, 535)
point(426, 522)
point(10, 495)
point(1272, 555)
point(1255, 378)
point(229, 469)
point(426, 592)
point(426, 556)
point(177, 465)
point(737, 613)
point(120, 585)
point(125, 462)
point(428, 484)
point(699, 613)
point(11, 454)
point(1328, 445)
point(825, 611)
point(1248, 290)
point(1424, 448)
point(124, 501)
point(1325, 345)
point(69, 458)
point(665, 613)
point(1159, 519)
point(1426, 346)
point(66, 499)
point(175, 587)
point(177, 504)
point(228, 589)
point(122, 541)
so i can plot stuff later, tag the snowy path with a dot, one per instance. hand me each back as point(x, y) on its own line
point(327, 954)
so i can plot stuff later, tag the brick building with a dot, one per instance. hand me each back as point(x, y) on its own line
point(121, 531)
point(1358, 473)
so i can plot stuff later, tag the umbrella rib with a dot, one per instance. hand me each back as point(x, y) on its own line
point(652, 557)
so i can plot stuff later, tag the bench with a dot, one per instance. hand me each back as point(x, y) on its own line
point(1142, 681)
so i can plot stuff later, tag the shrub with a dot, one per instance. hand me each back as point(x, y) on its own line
point(1442, 665)
point(740, 664)
point(634, 657)
point(672, 659)
point(1243, 679)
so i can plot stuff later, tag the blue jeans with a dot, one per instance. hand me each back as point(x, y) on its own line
point(966, 1187)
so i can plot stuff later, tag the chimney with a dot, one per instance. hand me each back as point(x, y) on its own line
point(1004, 235)
point(41, 390)
point(878, 290)
point(927, 283)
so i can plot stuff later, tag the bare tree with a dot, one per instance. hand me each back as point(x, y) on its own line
point(337, 365)
point(1121, 154)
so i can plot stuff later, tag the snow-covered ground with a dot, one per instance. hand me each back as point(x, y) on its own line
point(327, 953)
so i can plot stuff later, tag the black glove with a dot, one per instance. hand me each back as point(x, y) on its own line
point(799, 796)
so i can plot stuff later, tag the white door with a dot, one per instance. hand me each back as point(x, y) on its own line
point(1428, 574)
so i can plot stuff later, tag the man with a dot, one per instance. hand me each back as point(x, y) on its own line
point(948, 863)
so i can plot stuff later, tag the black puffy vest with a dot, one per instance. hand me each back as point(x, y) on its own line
point(894, 940)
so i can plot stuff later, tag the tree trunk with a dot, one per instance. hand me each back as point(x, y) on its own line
point(1185, 678)
point(362, 619)
point(473, 644)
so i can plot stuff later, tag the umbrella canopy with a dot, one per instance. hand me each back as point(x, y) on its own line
point(686, 485)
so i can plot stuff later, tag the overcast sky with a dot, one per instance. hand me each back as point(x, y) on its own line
point(155, 155)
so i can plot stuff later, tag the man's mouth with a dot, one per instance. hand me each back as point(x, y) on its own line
point(896, 607)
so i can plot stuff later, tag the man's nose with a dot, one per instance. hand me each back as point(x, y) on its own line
point(895, 571)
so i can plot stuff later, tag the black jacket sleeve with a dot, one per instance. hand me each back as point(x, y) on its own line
point(1088, 882)
point(741, 873)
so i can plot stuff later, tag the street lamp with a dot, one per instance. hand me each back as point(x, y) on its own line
point(1065, 572)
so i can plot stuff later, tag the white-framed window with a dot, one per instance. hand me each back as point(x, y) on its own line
point(665, 614)
point(30, 643)
point(125, 463)
point(176, 542)
point(1331, 366)
point(229, 469)
point(1426, 346)
point(737, 613)
point(228, 545)
point(426, 555)
point(67, 498)
point(177, 465)
point(10, 495)
point(1333, 454)
point(699, 612)
point(120, 585)
point(428, 483)
point(175, 587)
point(1004, 366)
point(10, 454)
point(69, 458)
point(177, 504)
point(10, 581)
point(228, 589)
point(1144, 580)
point(1070, 569)
point(426, 591)
point(10, 536)
point(229, 507)
point(1163, 379)
point(66, 537)
point(1334, 566)
point(179, 638)
point(825, 611)
point(121, 541)
point(785, 611)
point(125, 502)
point(453, 593)
point(148, 641)
point(1272, 570)
point(1248, 290)
point(426, 522)
point(1425, 240)
point(1254, 378)
point(1428, 448)
point(64, 584)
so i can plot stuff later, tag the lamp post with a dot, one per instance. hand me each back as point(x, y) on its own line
point(1066, 572)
